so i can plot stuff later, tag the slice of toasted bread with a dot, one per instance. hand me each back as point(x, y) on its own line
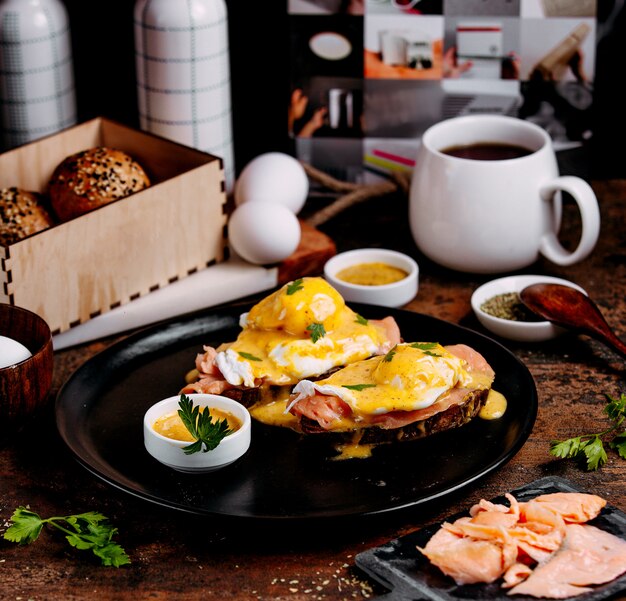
point(452, 417)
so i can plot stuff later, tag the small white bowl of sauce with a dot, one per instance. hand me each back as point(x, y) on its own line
point(375, 276)
point(165, 435)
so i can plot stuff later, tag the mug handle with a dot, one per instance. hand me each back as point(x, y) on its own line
point(587, 203)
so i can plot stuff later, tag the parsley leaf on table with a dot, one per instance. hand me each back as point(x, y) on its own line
point(207, 433)
point(84, 531)
point(590, 447)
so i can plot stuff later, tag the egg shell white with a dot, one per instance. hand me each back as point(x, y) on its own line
point(273, 177)
point(12, 352)
point(263, 232)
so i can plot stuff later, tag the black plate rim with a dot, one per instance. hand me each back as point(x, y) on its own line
point(228, 310)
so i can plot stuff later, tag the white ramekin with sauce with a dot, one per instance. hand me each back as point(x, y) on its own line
point(165, 440)
point(373, 275)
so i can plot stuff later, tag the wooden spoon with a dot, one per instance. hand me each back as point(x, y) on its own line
point(572, 309)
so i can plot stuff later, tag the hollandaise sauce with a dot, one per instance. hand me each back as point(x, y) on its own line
point(274, 413)
point(354, 449)
point(171, 426)
point(371, 274)
point(495, 406)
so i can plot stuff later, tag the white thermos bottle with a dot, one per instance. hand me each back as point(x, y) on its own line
point(37, 92)
point(183, 74)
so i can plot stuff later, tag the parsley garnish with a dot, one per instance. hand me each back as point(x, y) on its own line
point(426, 348)
point(83, 531)
point(389, 356)
point(589, 448)
point(208, 433)
point(317, 331)
point(248, 356)
point(358, 387)
point(295, 286)
point(361, 320)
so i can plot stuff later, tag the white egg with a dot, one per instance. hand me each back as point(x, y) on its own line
point(273, 177)
point(12, 351)
point(263, 232)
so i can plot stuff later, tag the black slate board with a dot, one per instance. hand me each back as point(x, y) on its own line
point(401, 568)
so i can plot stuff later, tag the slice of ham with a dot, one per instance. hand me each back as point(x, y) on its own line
point(210, 379)
point(391, 332)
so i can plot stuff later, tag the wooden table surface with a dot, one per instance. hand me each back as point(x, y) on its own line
point(178, 556)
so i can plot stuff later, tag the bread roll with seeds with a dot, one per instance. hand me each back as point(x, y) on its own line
point(22, 213)
point(91, 178)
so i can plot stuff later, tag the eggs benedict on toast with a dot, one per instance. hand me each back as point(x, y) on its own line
point(414, 390)
point(302, 330)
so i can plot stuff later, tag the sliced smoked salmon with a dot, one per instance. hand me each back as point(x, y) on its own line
point(542, 547)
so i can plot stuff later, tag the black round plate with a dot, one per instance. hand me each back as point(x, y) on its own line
point(283, 476)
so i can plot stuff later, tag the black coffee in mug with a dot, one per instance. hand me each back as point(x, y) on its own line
point(487, 151)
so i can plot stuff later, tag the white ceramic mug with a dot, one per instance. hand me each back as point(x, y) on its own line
point(490, 216)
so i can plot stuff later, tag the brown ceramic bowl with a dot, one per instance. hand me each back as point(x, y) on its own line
point(25, 386)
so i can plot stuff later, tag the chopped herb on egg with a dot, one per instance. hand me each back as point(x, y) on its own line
point(358, 387)
point(295, 286)
point(317, 331)
point(361, 320)
point(389, 356)
point(248, 356)
point(426, 348)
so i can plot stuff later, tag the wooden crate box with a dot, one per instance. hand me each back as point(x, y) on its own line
point(84, 267)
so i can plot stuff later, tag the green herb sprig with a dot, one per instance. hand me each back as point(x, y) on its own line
point(206, 432)
point(84, 531)
point(391, 354)
point(589, 448)
point(426, 348)
point(358, 387)
point(294, 286)
point(317, 331)
point(249, 356)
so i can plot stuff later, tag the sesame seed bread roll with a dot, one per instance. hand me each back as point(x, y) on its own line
point(22, 213)
point(91, 178)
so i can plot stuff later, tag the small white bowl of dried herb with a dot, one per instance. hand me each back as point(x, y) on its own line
point(197, 433)
point(499, 308)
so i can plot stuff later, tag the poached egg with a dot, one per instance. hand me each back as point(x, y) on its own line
point(411, 376)
point(304, 329)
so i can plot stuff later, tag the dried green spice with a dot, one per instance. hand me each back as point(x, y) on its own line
point(509, 305)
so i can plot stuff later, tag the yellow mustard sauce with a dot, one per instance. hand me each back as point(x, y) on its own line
point(353, 449)
point(371, 274)
point(171, 426)
point(273, 414)
point(191, 376)
point(495, 406)
point(272, 408)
